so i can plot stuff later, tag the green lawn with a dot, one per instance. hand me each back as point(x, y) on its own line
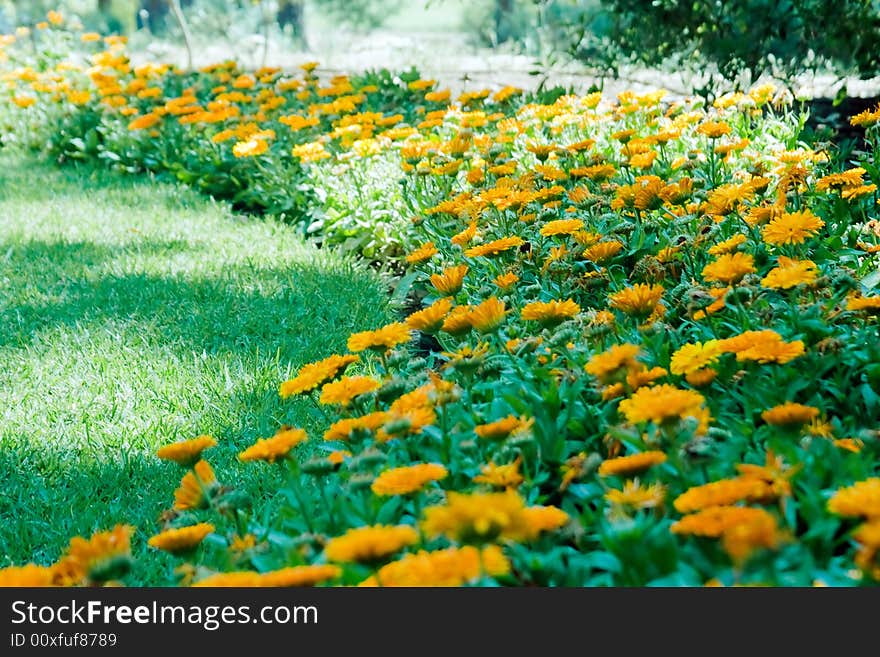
point(133, 314)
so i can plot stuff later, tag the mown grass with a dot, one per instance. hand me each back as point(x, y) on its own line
point(133, 314)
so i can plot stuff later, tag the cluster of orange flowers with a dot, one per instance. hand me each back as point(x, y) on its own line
point(636, 313)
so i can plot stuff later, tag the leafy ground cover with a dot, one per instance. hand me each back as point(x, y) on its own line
point(643, 348)
point(131, 314)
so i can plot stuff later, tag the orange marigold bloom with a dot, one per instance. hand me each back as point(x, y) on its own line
point(484, 517)
point(714, 129)
point(505, 281)
point(713, 521)
point(693, 357)
point(344, 428)
point(236, 579)
point(661, 403)
point(494, 248)
point(501, 429)
point(860, 499)
point(550, 313)
point(728, 245)
point(790, 413)
point(789, 273)
point(424, 252)
point(859, 302)
point(729, 268)
point(312, 375)
point(387, 337)
point(792, 228)
point(370, 544)
point(195, 487)
point(276, 447)
point(299, 575)
point(488, 315)
point(639, 300)
point(30, 575)
point(501, 476)
point(449, 281)
point(561, 227)
point(96, 558)
point(624, 466)
point(765, 346)
point(144, 122)
point(602, 252)
point(611, 361)
point(186, 452)
point(430, 319)
point(449, 567)
point(250, 148)
point(724, 492)
point(408, 479)
point(181, 539)
point(346, 389)
point(636, 496)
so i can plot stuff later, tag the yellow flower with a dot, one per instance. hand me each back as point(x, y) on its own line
point(299, 575)
point(859, 302)
point(550, 313)
point(312, 375)
point(789, 273)
point(449, 281)
point(484, 517)
point(424, 252)
point(762, 346)
point(95, 559)
point(839, 181)
point(729, 268)
point(55, 17)
point(455, 566)
point(144, 122)
point(561, 227)
point(506, 281)
point(608, 363)
point(636, 496)
point(727, 246)
point(693, 357)
point(501, 429)
point(430, 319)
point(630, 464)
point(276, 447)
point(311, 152)
point(186, 452)
point(715, 520)
point(724, 492)
point(346, 389)
point(370, 544)
point(639, 300)
point(501, 476)
point(195, 487)
point(409, 479)
point(236, 579)
point(792, 228)
point(344, 428)
point(494, 248)
point(714, 129)
point(662, 403)
point(789, 414)
point(250, 148)
point(382, 339)
point(860, 499)
point(30, 575)
point(602, 252)
point(488, 315)
point(181, 539)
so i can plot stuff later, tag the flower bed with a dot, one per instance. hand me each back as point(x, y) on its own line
point(648, 342)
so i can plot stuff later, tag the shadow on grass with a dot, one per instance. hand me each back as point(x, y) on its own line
point(298, 312)
point(292, 312)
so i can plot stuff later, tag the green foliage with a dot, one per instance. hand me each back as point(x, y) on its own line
point(737, 36)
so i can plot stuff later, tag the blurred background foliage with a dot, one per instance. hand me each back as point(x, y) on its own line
point(724, 43)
